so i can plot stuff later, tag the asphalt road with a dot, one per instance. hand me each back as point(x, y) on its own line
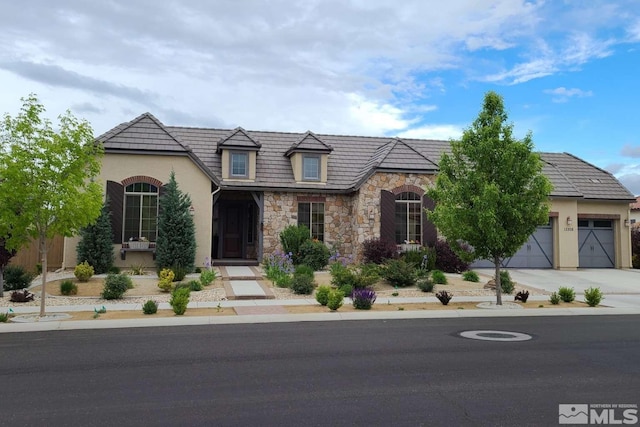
point(391, 373)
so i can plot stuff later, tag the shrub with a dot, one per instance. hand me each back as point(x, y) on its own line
point(96, 245)
point(444, 297)
point(137, 269)
point(470, 276)
point(416, 256)
point(593, 296)
point(16, 277)
point(83, 271)
point(207, 277)
point(21, 296)
point(335, 300)
point(425, 284)
point(635, 241)
point(378, 251)
point(304, 270)
point(277, 266)
point(554, 298)
point(4, 317)
point(566, 294)
point(367, 275)
point(113, 270)
point(438, 277)
point(506, 284)
point(195, 285)
point(342, 275)
point(447, 260)
point(150, 307)
point(635, 261)
point(115, 285)
point(399, 273)
point(179, 272)
point(315, 254)
point(522, 296)
point(346, 290)
point(322, 295)
point(166, 279)
point(283, 280)
point(363, 299)
point(179, 300)
point(302, 284)
point(292, 238)
point(68, 288)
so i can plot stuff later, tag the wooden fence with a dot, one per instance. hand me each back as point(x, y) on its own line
point(29, 257)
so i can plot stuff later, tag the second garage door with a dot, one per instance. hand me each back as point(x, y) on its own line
point(537, 252)
point(595, 243)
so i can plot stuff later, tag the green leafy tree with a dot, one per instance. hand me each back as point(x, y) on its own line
point(176, 243)
point(96, 246)
point(490, 191)
point(47, 176)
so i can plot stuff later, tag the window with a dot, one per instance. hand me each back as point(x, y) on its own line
point(140, 211)
point(312, 215)
point(310, 168)
point(239, 165)
point(408, 218)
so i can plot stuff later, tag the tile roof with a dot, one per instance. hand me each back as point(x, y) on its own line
point(309, 142)
point(352, 159)
point(238, 138)
point(635, 206)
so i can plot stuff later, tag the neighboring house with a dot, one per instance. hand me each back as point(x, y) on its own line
point(247, 186)
point(634, 214)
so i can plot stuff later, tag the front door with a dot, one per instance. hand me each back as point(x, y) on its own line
point(233, 216)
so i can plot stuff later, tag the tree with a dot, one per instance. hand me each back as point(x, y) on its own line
point(96, 246)
point(176, 244)
point(490, 191)
point(48, 177)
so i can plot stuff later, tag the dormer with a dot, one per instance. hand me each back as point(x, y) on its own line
point(239, 152)
point(309, 159)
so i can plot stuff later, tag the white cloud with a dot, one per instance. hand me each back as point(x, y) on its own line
point(442, 132)
point(562, 94)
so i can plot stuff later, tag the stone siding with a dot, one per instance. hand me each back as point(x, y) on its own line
point(281, 210)
point(349, 219)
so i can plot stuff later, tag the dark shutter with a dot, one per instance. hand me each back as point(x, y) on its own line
point(387, 216)
point(115, 193)
point(429, 231)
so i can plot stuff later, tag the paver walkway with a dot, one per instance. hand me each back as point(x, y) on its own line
point(242, 282)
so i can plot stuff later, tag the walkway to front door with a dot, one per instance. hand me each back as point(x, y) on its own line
point(244, 282)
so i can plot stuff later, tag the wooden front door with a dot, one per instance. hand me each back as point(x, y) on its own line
point(233, 216)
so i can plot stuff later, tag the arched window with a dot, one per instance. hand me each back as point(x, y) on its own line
point(408, 220)
point(140, 212)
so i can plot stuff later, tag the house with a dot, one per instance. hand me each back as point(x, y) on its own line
point(247, 186)
point(634, 214)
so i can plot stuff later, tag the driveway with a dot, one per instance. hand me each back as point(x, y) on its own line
point(621, 288)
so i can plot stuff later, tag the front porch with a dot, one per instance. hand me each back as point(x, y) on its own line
point(237, 228)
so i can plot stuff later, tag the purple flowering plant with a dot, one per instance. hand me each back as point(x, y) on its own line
point(363, 299)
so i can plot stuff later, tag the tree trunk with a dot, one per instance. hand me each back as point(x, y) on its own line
point(43, 253)
point(497, 260)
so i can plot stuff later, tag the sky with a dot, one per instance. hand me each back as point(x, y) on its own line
point(569, 71)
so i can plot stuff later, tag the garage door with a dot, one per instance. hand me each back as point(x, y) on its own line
point(595, 243)
point(537, 252)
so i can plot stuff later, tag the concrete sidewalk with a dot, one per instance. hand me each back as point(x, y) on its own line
point(152, 321)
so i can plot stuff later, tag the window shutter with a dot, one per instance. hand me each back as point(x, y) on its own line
point(429, 231)
point(387, 216)
point(115, 192)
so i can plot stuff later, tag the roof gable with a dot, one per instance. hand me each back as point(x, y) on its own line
point(145, 132)
point(309, 142)
point(238, 138)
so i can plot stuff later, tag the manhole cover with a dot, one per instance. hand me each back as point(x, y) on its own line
point(495, 336)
